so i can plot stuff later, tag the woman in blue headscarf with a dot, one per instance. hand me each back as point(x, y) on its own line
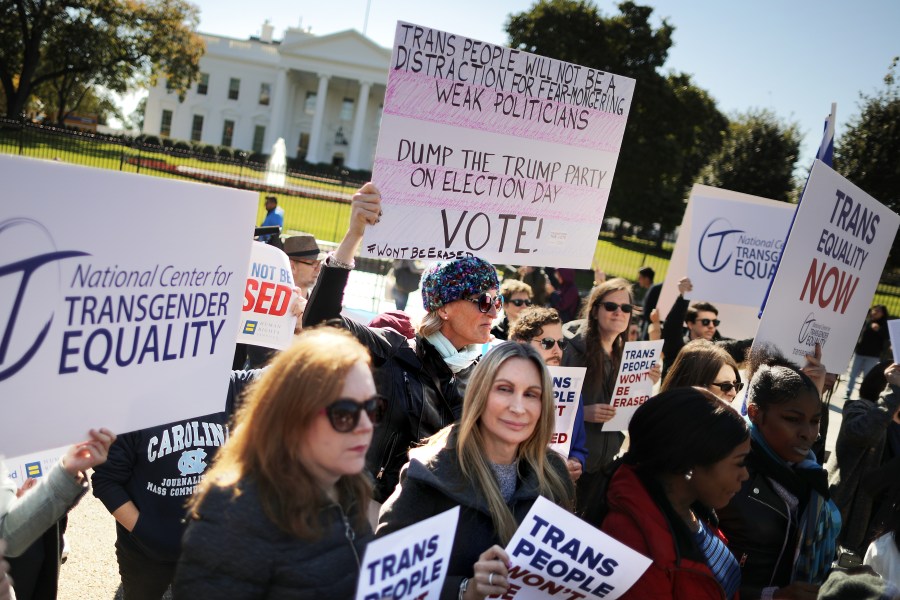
point(782, 526)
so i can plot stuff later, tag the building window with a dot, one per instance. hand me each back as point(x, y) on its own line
point(227, 133)
point(378, 116)
point(197, 128)
point(169, 85)
point(234, 86)
point(259, 134)
point(265, 91)
point(309, 107)
point(165, 127)
point(303, 145)
point(347, 109)
point(203, 84)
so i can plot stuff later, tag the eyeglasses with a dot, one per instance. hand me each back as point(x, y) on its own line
point(612, 306)
point(706, 322)
point(519, 302)
point(486, 301)
point(727, 386)
point(343, 413)
point(308, 263)
point(547, 343)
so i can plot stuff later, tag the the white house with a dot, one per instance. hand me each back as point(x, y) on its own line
point(322, 94)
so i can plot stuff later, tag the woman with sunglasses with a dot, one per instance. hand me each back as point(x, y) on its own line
point(596, 342)
point(423, 378)
point(686, 459)
point(282, 511)
point(704, 364)
point(493, 464)
point(517, 296)
point(782, 526)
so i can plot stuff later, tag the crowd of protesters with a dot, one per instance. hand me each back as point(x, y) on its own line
point(356, 431)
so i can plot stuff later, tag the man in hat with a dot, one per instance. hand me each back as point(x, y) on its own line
point(306, 260)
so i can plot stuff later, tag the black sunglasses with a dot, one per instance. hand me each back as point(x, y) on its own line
point(520, 302)
point(547, 343)
point(486, 301)
point(343, 413)
point(706, 322)
point(727, 386)
point(612, 306)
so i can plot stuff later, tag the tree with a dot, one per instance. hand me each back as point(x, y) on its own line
point(78, 44)
point(867, 153)
point(673, 126)
point(757, 156)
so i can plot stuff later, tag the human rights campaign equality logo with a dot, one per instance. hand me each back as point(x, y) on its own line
point(30, 282)
point(717, 245)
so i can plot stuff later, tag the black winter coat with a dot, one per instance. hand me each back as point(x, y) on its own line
point(234, 551)
point(430, 485)
point(423, 395)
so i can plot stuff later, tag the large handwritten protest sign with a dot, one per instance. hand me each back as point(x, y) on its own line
point(728, 244)
point(829, 271)
point(410, 563)
point(555, 554)
point(112, 313)
point(266, 319)
point(633, 384)
point(493, 151)
point(567, 382)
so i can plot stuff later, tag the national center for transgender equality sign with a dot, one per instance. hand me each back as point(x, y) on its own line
point(491, 151)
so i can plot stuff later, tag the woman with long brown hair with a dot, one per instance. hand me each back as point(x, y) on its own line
point(282, 511)
point(493, 464)
point(703, 363)
point(596, 342)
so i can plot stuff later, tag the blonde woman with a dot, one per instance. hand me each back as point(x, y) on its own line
point(493, 464)
point(282, 512)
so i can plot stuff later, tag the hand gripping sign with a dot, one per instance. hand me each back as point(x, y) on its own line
point(633, 384)
point(556, 555)
point(410, 563)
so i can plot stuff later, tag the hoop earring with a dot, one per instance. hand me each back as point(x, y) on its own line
point(688, 475)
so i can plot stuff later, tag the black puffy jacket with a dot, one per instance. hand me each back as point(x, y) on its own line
point(423, 394)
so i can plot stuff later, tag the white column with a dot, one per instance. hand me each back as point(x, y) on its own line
point(276, 121)
point(315, 136)
point(359, 124)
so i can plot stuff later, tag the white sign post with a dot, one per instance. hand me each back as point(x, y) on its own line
point(567, 383)
point(554, 551)
point(633, 384)
point(120, 297)
point(266, 319)
point(410, 563)
point(493, 151)
point(831, 266)
point(727, 245)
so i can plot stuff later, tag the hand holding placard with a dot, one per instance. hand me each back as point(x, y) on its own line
point(554, 554)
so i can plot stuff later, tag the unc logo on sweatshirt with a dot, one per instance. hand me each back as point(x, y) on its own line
point(191, 462)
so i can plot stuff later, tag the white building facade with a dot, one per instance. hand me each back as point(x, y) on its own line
point(322, 94)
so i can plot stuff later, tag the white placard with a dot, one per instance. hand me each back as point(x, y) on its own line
point(266, 318)
point(120, 297)
point(894, 333)
point(831, 266)
point(33, 466)
point(410, 563)
point(555, 554)
point(633, 384)
point(493, 151)
point(723, 210)
point(735, 248)
point(567, 383)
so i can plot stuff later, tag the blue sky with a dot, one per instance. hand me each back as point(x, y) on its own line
point(794, 57)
